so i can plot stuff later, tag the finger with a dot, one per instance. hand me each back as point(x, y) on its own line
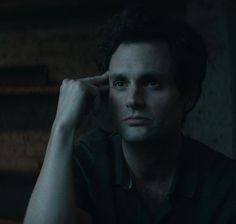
point(64, 81)
point(94, 80)
point(97, 80)
point(105, 74)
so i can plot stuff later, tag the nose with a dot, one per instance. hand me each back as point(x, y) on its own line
point(135, 98)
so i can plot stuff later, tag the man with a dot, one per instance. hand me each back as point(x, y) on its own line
point(145, 171)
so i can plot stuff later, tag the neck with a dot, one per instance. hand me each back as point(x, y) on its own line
point(152, 159)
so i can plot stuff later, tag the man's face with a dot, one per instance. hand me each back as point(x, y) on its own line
point(144, 99)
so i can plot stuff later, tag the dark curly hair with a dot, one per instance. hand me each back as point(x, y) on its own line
point(138, 25)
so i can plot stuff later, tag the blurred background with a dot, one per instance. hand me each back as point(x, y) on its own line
point(44, 41)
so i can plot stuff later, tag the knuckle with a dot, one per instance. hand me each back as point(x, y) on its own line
point(80, 85)
point(64, 81)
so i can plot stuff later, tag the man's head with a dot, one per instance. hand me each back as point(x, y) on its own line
point(142, 50)
point(186, 45)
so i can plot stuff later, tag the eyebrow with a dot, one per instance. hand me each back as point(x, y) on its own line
point(117, 75)
point(148, 75)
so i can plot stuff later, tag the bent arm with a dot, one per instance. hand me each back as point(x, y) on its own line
point(53, 199)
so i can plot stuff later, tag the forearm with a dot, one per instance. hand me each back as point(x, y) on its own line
point(52, 200)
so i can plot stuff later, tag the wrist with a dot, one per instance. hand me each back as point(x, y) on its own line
point(61, 126)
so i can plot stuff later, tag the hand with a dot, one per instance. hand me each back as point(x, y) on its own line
point(79, 98)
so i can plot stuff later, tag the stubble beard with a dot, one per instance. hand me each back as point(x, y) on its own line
point(156, 132)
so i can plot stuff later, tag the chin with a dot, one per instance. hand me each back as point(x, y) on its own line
point(135, 133)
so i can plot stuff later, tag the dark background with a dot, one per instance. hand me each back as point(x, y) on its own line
point(61, 35)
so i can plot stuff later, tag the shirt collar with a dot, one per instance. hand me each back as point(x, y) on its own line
point(121, 173)
point(186, 178)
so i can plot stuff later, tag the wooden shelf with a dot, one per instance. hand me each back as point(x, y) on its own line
point(29, 90)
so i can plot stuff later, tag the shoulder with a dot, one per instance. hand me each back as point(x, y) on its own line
point(209, 158)
point(92, 145)
point(94, 138)
point(217, 171)
point(215, 185)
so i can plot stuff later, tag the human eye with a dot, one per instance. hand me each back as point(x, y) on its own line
point(152, 84)
point(119, 84)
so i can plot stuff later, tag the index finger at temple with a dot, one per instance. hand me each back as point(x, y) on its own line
point(106, 74)
point(98, 80)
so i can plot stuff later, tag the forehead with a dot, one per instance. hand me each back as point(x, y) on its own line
point(141, 58)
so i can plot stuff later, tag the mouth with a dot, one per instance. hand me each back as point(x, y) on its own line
point(136, 120)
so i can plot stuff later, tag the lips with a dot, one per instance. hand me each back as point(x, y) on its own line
point(136, 120)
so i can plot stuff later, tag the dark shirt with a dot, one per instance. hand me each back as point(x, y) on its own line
point(204, 190)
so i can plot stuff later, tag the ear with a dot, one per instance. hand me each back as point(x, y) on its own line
point(189, 102)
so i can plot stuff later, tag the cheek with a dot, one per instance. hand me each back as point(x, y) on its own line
point(114, 103)
point(112, 98)
point(165, 104)
point(116, 97)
